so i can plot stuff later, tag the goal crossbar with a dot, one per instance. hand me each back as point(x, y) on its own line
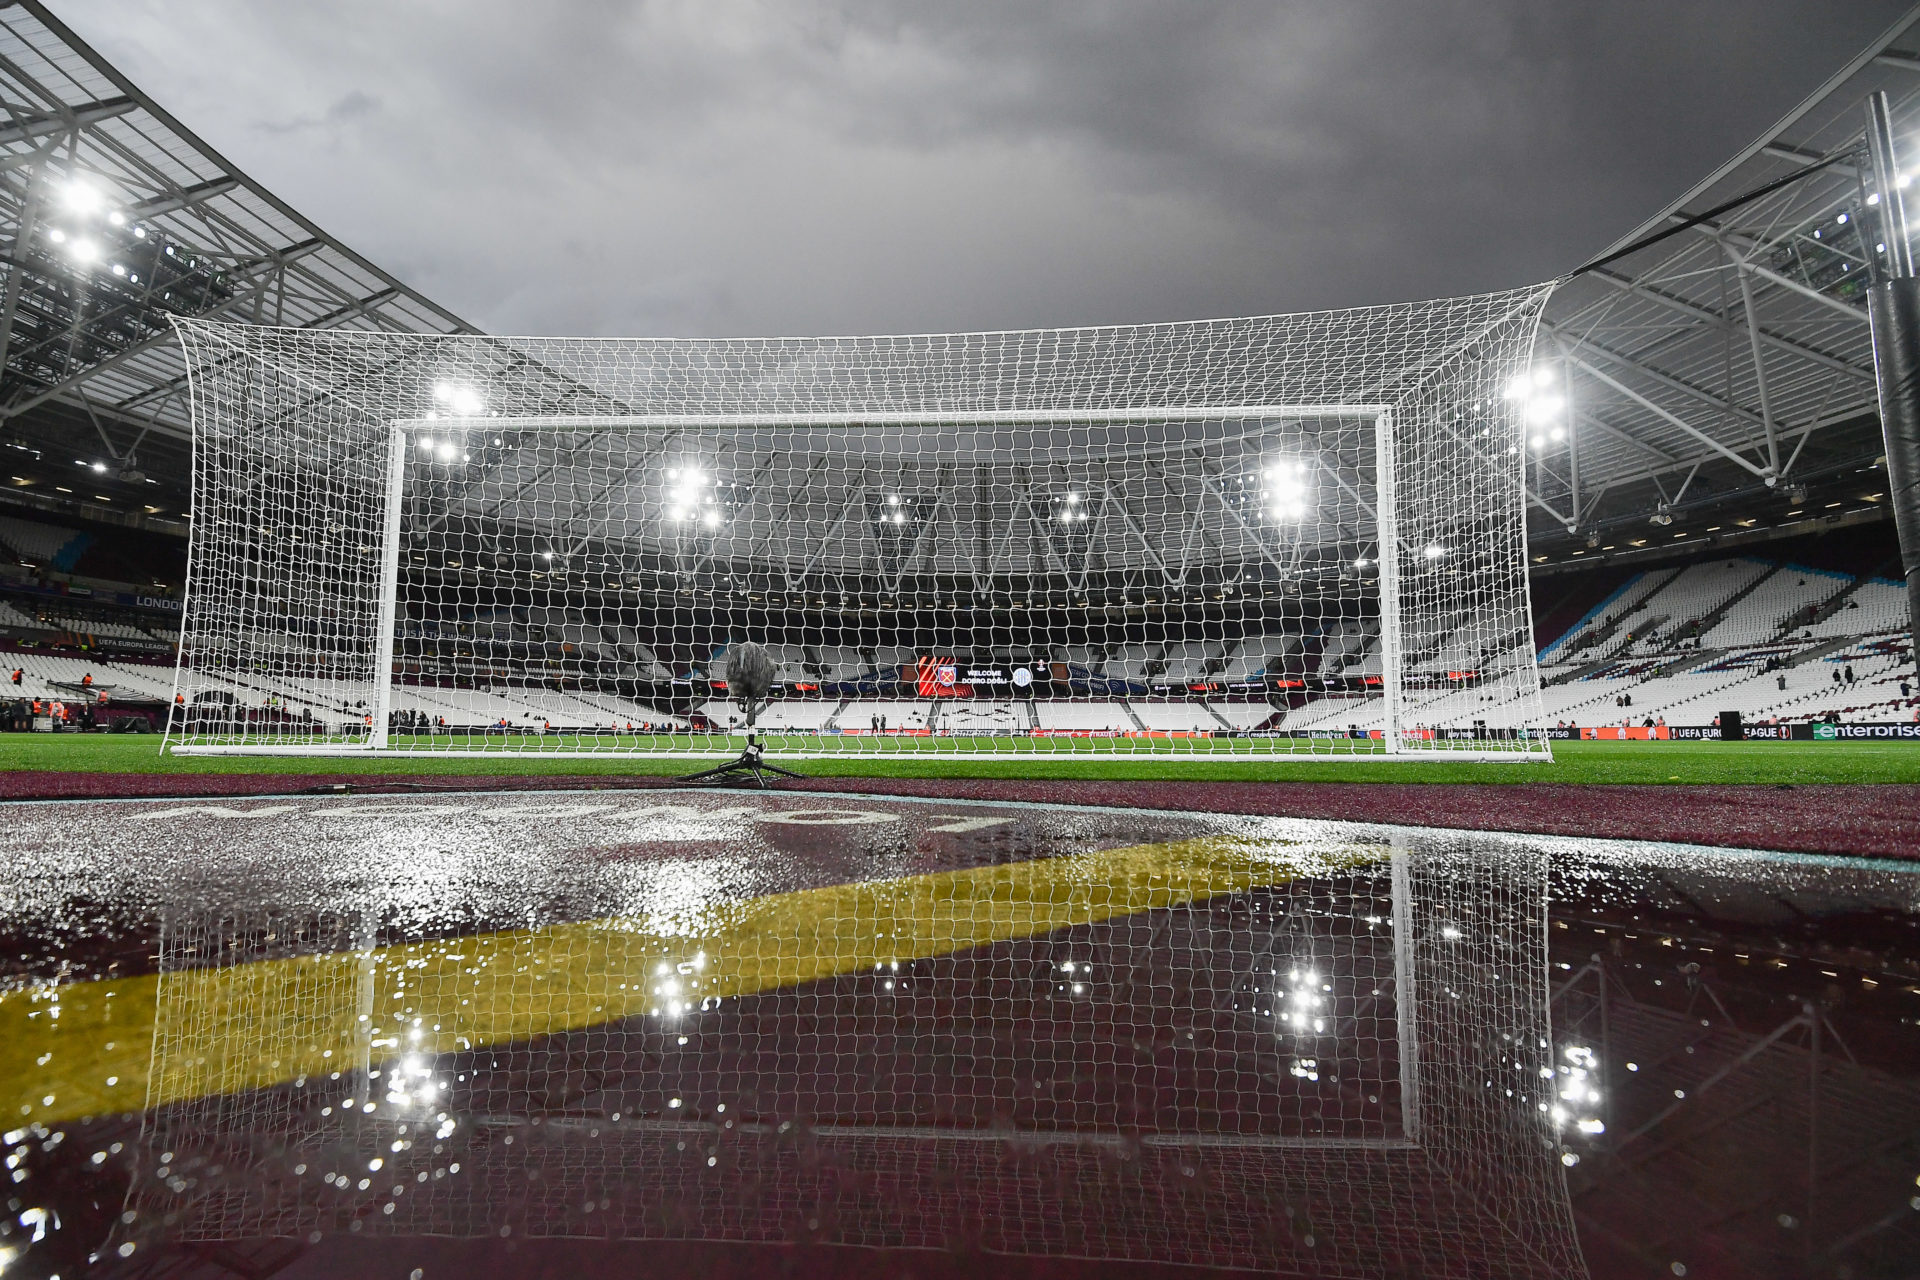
point(893, 418)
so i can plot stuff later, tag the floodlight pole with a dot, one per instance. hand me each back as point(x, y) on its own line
point(1893, 306)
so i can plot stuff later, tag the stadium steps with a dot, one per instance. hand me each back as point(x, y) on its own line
point(1707, 621)
point(1640, 632)
point(1127, 707)
point(1820, 650)
point(1575, 673)
point(1220, 719)
point(1599, 636)
point(1693, 658)
point(833, 721)
point(1888, 568)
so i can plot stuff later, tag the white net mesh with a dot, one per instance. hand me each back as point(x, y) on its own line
point(1323, 1056)
point(1176, 539)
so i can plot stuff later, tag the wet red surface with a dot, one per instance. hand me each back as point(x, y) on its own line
point(1881, 820)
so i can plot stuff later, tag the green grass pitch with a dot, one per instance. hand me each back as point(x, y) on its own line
point(1677, 763)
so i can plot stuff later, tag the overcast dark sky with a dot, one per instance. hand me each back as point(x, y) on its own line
point(812, 166)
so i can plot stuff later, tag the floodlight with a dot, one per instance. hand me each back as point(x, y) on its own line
point(117, 218)
point(1545, 407)
point(81, 197)
point(57, 236)
point(84, 251)
point(99, 466)
point(1434, 551)
point(893, 499)
point(713, 518)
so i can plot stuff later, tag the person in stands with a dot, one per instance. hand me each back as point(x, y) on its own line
point(86, 681)
point(18, 672)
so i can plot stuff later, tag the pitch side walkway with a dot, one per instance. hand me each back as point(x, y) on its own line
point(1878, 820)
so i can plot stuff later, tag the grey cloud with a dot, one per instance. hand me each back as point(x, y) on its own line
point(812, 166)
point(351, 106)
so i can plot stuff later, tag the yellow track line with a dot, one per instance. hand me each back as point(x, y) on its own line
point(88, 1048)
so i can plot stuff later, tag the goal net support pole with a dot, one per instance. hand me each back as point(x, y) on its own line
point(1388, 539)
point(389, 589)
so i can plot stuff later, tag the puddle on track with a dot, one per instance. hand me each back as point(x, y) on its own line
point(678, 1031)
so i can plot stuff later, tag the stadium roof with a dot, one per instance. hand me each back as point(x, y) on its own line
point(1727, 365)
point(1699, 369)
point(117, 217)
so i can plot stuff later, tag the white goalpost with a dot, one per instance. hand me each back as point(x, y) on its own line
point(1291, 535)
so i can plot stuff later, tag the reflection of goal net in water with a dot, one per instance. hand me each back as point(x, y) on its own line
point(1314, 1059)
point(1284, 534)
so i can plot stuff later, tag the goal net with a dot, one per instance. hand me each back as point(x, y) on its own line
point(1291, 534)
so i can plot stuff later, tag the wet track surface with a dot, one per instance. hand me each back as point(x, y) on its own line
point(663, 1032)
point(1880, 820)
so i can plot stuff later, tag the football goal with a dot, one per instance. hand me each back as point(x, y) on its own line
point(1299, 535)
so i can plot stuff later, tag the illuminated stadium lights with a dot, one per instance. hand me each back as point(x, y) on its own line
point(1433, 551)
point(57, 236)
point(82, 197)
point(460, 399)
point(1286, 489)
